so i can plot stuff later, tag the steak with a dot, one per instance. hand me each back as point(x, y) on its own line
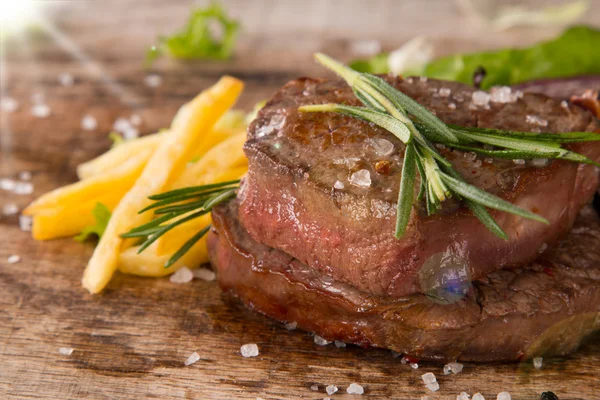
point(544, 308)
point(302, 194)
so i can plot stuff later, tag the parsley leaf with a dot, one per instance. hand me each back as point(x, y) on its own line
point(102, 215)
point(197, 40)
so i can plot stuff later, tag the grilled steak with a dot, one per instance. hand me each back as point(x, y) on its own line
point(323, 187)
point(545, 308)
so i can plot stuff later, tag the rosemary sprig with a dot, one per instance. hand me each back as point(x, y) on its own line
point(177, 207)
point(418, 128)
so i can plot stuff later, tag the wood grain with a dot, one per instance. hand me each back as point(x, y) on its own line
point(132, 340)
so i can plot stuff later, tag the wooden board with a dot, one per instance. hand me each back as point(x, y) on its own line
point(132, 340)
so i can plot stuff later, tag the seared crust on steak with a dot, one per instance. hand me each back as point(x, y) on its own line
point(289, 202)
point(545, 308)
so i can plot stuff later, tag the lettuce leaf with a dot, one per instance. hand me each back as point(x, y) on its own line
point(197, 40)
point(573, 53)
point(102, 215)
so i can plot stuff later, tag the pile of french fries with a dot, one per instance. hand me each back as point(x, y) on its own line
point(202, 146)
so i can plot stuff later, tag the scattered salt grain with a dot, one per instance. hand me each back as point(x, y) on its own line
point(121, 124)
point(8, 104)
point(463, 396)
point(519, 161)
point(404, 360)
point(204, 273)
point(477, 163)
point(321, 341)
point(382, 147)
point(502, 94)
point(10, 209)
point(455, 368)
point(536, 120)
point(423, 79)
point(503, 396)
point(355, 388)
point(470, 156)
point(130, 133)
point(38, 98)
point(488, 160)
point(314, 388)
point(66, 79)
point(183, 275)
point(339, 344)
point(542, 248)
point(249, 350)
point(13, 259)
point(478, 396)
point(89, 123)
point(25, 175)
point(433, 386)
point(25, 223)
point(192, 359)
point(445, 92)
point(153, 80)
point(40, 111)
point(338, 185)
point(135, 119)
point(331, 389)
point(7, 184)
point(65, 351)
point(564, 104)
point(414, 365)
point(23, 188)
point(537, 362)
point(290, 326)
point(428, 378)
point(539, 162)
point(452, 106)
point(361, 178)
point(447, 370)
point(480, 98)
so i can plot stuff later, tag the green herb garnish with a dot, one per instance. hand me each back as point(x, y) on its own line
point(418, 128)
point(197, 39)
point(178, 206)
point(102, 215)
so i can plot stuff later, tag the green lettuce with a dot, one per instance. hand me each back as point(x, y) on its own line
point(575, 52)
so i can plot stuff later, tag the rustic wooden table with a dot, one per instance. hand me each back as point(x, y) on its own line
point(132, 340)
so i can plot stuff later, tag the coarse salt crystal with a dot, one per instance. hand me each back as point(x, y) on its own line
point(23, 188)
point(10, 209)
point(204, 273)
point(355, 388)
point(503, 396)
point(433, 386)
point(7, 184)
point(89, 123)
point(338, 185)
point(477, 163)
point(339, 344)
point(536, 120)
point(331, 389)
point(153, 80)
point(539, 162)
point(470, 156)
point(183, 275)
point(478, 396)
point(404, 360)
point(130, 133)
point(382, 147)
point(502, 94)
point(428, 377)
point(135, 119)
point(414, 365)
point(564, 104)
point(314, 387)
point(519, 161)
point(65, 351)
point(25, 175)
point(488, 160)
point(537, 362)
point(445, 92)
point(66, 79)
point(8, 104)
point(361, 178)
point(463, 396)
point(321, 341)
point(249, 350)
point(121, 124)
point(41, 111)
point(25, 223)
point(447, 370)
point(192, 359)
point(480, 98)
point(13, 259)
point(290, 326)
point(423, 79)
point(455, 367)
point(452, 106)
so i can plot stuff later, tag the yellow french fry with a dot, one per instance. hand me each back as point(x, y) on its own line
point(70, 221)
point(148, 263)
point(165, 165)
point(119, 181)
point(118, 155)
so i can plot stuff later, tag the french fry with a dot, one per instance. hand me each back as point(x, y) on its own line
point(118, 181)
point(69, 221)
point(148, 263)
point(118, 155)
point(165, 165)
